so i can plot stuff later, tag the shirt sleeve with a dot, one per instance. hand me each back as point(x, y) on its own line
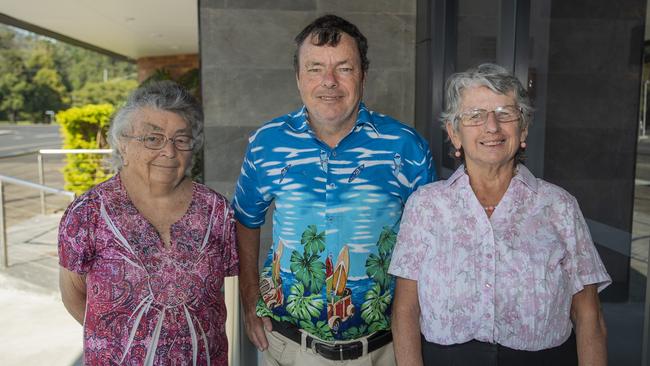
point(412, 240)
point(249, 203)
point(76, 244)
point(584, 264)
point(229, 254)
point(425, 172)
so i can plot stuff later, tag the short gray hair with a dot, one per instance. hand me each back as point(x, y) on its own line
point(492, 76)
point(161, 95)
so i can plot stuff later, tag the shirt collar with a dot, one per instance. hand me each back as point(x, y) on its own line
point(298, 120)
point(523, 174)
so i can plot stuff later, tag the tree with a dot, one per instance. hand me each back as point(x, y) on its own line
point(14, 83)
point(113, 92)
point(39, 74)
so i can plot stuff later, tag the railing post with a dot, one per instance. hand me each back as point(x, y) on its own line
point(3, 229)
point(41, 181)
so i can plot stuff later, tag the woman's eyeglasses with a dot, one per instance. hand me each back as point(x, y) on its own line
point(478, 117)
point(156, 141)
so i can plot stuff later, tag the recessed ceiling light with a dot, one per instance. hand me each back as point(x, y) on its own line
point(129, 19)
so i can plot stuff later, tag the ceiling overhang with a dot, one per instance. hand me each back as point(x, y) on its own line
point(126, 29)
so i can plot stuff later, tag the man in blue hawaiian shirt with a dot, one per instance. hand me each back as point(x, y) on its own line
point(339, 175)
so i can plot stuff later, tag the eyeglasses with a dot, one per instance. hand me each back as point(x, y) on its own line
point(478, 117)
point(156, 141)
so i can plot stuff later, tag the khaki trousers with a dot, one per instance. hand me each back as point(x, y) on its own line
point(283, 351)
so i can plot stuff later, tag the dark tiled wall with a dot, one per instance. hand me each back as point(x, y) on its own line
point(592, 103)
point(247, 67)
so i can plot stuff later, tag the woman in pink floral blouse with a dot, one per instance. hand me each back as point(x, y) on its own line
point(495, 266)
point(143, 255)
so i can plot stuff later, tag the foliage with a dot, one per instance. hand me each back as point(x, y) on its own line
point(301, 306)
point(377, 269)
point(39, 74)
point(376, 304)
point(320, 329)
point(386, 241)
point(377, 265)
point(84, 128)
point(112, 92)
point(356, 332)
point(313, 241)
point(309, 270)
point(378, 299)
point(189, 80)
point(14, 83)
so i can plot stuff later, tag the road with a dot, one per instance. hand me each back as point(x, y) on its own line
point(15, 141)
point(21, 139)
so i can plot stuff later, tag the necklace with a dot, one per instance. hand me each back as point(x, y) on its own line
point(490, 208)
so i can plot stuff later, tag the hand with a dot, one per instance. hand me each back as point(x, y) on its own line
point(255, 326)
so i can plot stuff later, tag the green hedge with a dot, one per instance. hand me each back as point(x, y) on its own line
point(85, 128)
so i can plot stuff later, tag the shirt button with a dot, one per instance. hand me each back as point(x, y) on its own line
point(487, 285)
point(334, 153)
point(332, 185)
point(489, 256)
point(487, 316)
point(330, 219)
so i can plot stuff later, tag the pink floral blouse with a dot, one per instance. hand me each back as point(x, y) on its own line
point(508, 279)
point(147, 304)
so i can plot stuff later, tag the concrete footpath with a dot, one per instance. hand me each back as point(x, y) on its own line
point(35, 327)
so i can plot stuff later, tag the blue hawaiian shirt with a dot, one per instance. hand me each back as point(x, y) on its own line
point(337, 212)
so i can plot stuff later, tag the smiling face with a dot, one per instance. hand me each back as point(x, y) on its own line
point(330, 81)
point(164, 166)
point(494, 144)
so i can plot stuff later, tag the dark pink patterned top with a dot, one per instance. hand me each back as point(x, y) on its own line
point(147, 304)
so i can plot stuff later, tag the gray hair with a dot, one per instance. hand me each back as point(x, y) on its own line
point(161, 95)
point(492, 76)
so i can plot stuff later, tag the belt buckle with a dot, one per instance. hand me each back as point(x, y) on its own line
point(325, 346)
point(332, 347)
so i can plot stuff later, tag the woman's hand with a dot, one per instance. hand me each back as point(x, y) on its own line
point(589, 325)
point(406, 323)
point(73, 293)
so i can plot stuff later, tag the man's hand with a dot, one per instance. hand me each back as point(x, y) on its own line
point(255, 326)
point(248, 241)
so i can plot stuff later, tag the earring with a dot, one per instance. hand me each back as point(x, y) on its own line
point(523, 145)
point(457, 153)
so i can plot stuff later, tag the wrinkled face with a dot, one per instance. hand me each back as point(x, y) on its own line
point(330, 81)
point(164, 166)
point(492, 144)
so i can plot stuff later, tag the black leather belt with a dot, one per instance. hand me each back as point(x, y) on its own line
point(336, 352)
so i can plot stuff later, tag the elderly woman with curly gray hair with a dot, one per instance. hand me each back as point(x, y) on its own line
point(143, 255)
point(495, 266)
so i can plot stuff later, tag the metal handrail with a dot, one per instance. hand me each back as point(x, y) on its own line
point(41, 174)
point(24, 183)
point(642, 122)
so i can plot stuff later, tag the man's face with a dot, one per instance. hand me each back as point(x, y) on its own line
point(330, 81)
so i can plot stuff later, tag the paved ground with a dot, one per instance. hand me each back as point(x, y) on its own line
point(36, 329)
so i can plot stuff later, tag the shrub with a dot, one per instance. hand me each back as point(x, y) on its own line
point(85, 128)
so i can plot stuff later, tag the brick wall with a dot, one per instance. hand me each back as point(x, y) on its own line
point(177, 65)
